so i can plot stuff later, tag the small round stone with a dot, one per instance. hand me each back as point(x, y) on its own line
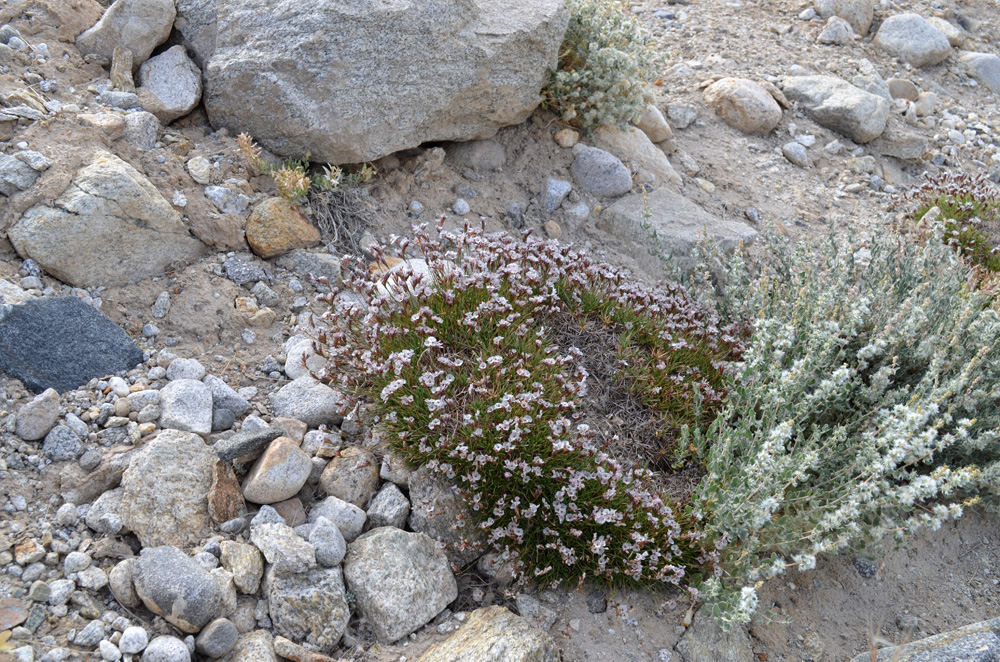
point(134, 640)
point(166, 649)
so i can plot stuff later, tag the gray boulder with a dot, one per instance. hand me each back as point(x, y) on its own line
point(439, 510)
point(494, 634)
point(217, 639)
point(984, 67)
point(166, 649)
point(283, 548)
point(467, 69)
point(309, 401)
point(256, 646)
point(173, 585)
point(704, 640)
point(858, 13)
point(400, 580)
point(744, 105)
point(16, 175)
point(138, 25)
point(104, 515)
point(912, 39)
point(142, 129)
point(679, 223)
point(977, 642)
point(349, 518)
point(309, 607)
point(838, 105)
point(166, 487)
point(600, 173)
point(186, 405)
point(390, 507)
point(171, 84)
point(35, 419)
point(328, 541)
point(110, 225)
point(278, 474)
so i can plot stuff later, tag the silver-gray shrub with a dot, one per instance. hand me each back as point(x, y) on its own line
point(866, 404)
point(605, 62)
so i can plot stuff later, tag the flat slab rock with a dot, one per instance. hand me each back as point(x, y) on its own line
point(494, 634)
point(61, 343)
point(679, 223)
point(979, 642)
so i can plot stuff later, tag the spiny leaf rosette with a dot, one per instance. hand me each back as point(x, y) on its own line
point(454, 353)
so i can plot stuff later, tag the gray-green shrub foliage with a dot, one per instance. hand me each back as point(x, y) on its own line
point(605, 61)
point(866, 404)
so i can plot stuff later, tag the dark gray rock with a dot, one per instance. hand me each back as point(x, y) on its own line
point(305, 264)
point(601, 173)
point(175, 586)
point(245, 443)
point(61, 343)
point(217, 639)
point(224, 397)
point(62, 444)
point(241, 270)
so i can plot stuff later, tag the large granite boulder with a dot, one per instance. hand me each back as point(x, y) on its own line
point(400, 580)
point(177, 587)
point(138, 25)
point(109, 226)
point(166, 487)
point(351, 82)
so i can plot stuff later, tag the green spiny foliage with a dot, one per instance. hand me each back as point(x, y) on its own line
point(970, 209)
point(455, 354)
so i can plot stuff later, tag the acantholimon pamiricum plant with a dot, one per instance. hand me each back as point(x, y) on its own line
point(455, 351)
point(969, 207)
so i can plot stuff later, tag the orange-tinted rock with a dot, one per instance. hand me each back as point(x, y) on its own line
point(293, 427)
point(352, 476)
point(225, 498)
point(277, 226)
point(292, 510)
point(12, 612)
